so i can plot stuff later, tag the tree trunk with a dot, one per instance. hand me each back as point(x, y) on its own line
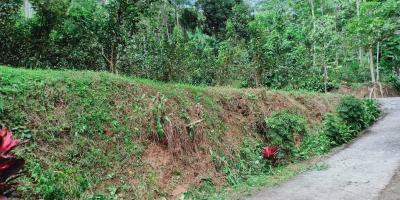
point(313, 31)
point(324, 55)
point(371, 65)
point(325, 78)
point(165, 19)
point(259, 71)
point(360, 49)
point(377, 61)
point(110, 58)
point(337, 12)
point(113, 58)
point(176, 14)
point(377, 68)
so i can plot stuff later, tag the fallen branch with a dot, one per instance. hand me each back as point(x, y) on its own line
point(194, 123)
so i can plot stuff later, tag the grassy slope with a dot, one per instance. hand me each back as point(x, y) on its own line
point(101, 135)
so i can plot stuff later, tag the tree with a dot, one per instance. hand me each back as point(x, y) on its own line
point(8, 15)
point(189, 19)
point(238, 23)
point(216, 12)
point(120, 24)
point(377, 22)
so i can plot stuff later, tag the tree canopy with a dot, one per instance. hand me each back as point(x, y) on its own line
point(315, 45)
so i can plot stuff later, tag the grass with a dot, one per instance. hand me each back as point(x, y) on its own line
point(95, 135)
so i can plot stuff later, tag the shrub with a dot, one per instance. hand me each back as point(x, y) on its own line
point(352, 111)
point(337, 130)
point(352, 115)
point(395, 82)
point(286, 129)
point(371, 111)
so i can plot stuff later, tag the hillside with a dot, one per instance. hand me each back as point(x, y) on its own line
point(98, 135)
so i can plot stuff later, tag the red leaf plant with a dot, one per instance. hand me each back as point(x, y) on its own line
point(270, 153)
point(10, 165)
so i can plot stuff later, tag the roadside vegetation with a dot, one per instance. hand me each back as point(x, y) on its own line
point(102, 136)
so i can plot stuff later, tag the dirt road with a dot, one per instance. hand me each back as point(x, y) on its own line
point(366, 170)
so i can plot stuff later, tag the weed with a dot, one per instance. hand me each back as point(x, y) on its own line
point(159, 114)
point(321, 166)
point(316, 143)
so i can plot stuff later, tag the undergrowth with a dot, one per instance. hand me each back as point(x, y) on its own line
point(337, 128)
point(102, 136)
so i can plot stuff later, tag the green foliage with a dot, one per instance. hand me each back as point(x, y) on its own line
point(316, 143)
point(372, 111)
point(105, 122)
point(158, 110)
point(238, 24)
point(352, 111)
point(216, 13)
point(352, 116)
point(189, 19)
point(48, 181)
point(240, 165)
point(283, 127)
point(376, 22)
point(337, 129)
point(340, 127)
point(395, 82)
point(8, 34)
point(225, 42)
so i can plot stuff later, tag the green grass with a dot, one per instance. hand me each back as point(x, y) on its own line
point(91, 134)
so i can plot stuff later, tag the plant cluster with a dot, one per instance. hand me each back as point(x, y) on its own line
point(286, 129)
point(336, 129)
point(352, 111)
point(395, 81)
point(352, 115)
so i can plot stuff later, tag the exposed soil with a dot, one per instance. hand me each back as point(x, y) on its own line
point(365, 90)
point(240, 114)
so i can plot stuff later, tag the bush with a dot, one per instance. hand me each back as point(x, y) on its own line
point(371, 111)
point(337, 130)
point(352, 116)
point(316, 143)
point(352, 111)
point(395, 82)
point(283, 129)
